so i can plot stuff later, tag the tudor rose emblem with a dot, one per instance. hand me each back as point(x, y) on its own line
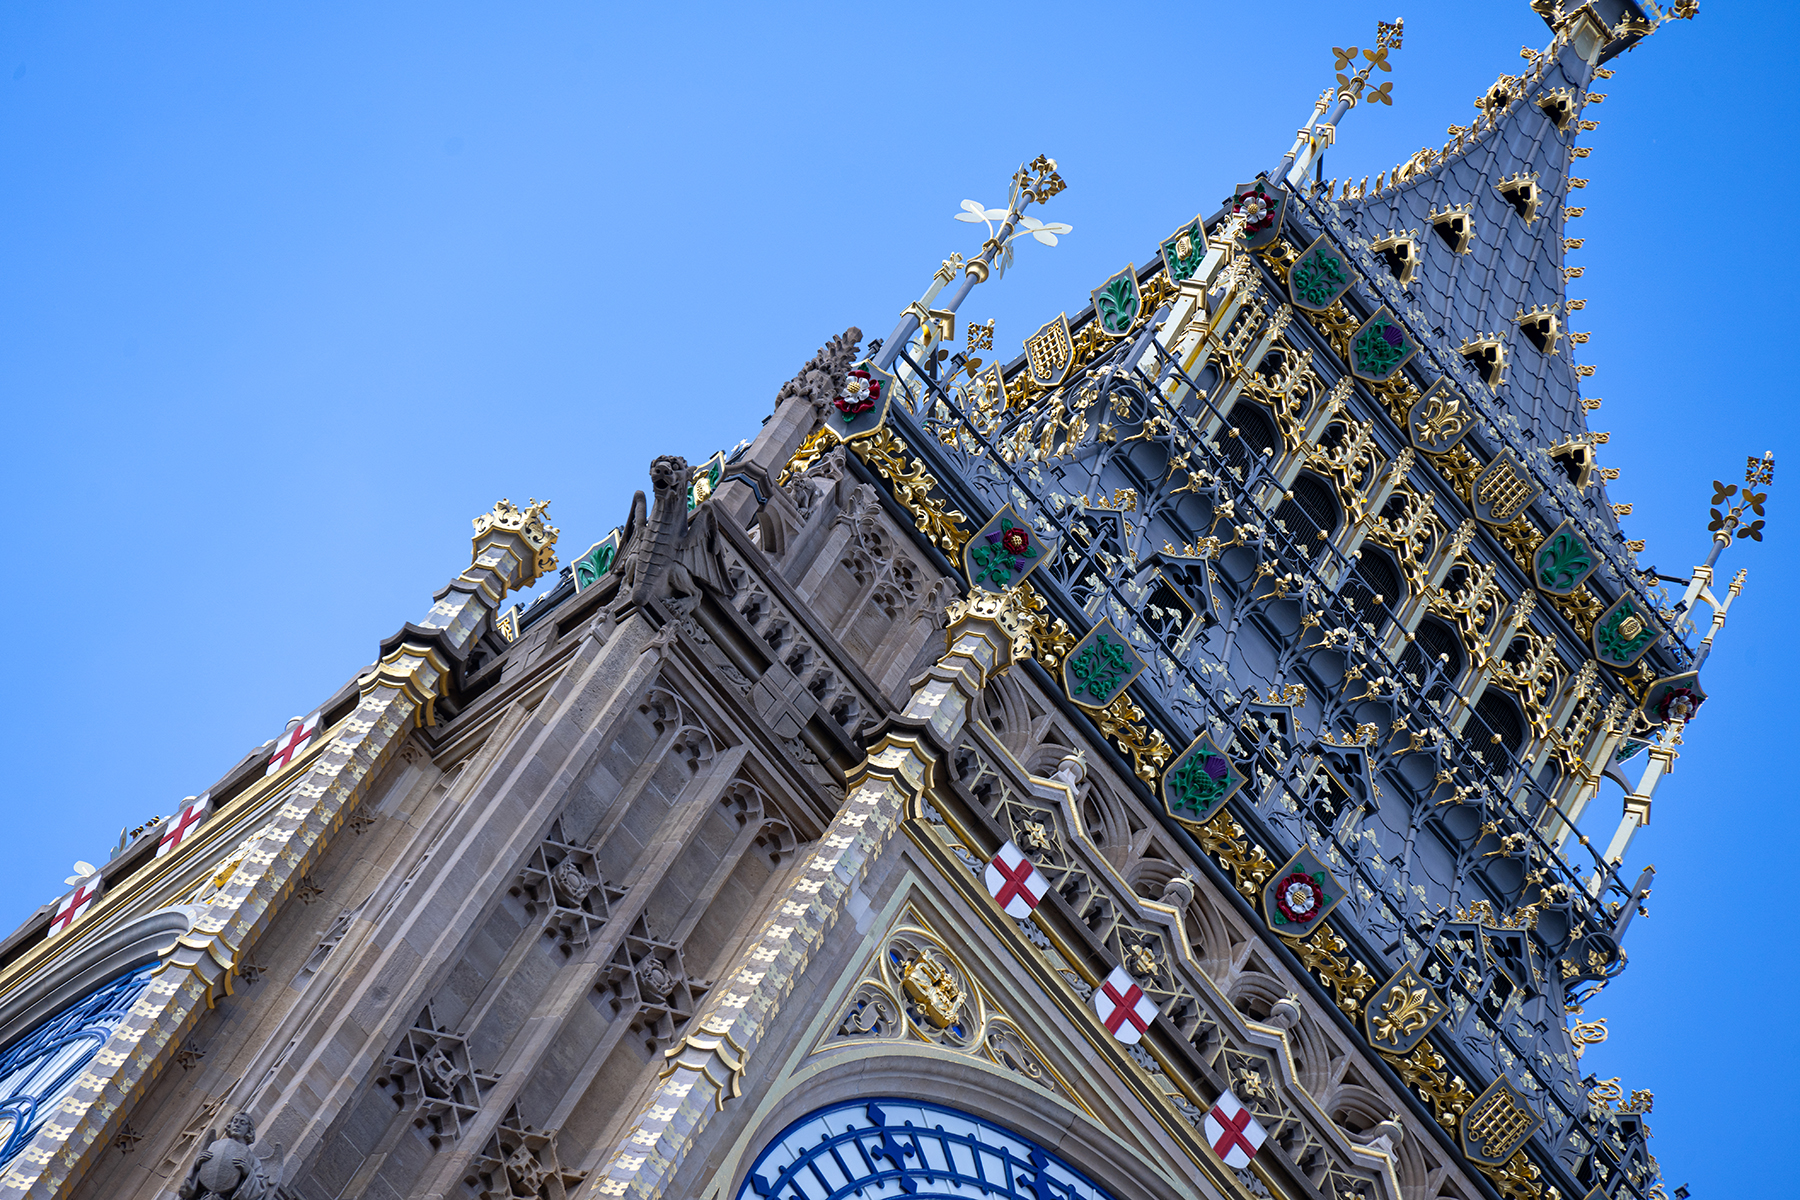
point(862, 407)
point(1301, 895)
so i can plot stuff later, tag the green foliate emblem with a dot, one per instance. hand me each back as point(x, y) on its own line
point(1196, 785)
point(1624, 633)
point(1184, 251)
point(1319, 276)
point(1117, 302)
point(1380, 347)
point(1100, 666)
point(593, 566)
point(1002, 552)
point(1562, 560)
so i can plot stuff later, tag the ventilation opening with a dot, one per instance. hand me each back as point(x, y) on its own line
point(1373, 591)
point(1488, 357)
point(1311, 515)
point(1541, 330)
point(1558, 107)
point(1255, 433)
point(1577, 461)
point(1523, 194)
point(1455, 227)
point(1496, 723)
point(1401, 254)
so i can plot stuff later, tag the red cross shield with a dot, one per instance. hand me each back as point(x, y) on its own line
point(72, 906)
point(1015, 884)
point(1122, 1006)
point(293, 740)
point(1232, 1132)
point(176, 828)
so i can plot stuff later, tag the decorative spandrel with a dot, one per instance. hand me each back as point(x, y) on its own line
point(1003, 552)
point(1624, 633)
point(1563, 561)
point(1438, 419)
point(1319, 276)
point(1197, 785)
point(1301, 895)
point(1100, 667)
point(1380, 347)
point(862, 408)
point(1184, 250)
point(1118, 302)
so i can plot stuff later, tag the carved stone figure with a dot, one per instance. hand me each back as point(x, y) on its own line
point(226, 1170)
point(822, 380)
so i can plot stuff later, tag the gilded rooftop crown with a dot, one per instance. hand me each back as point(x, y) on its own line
point(532, 524)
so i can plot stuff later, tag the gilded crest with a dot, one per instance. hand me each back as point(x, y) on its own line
point(1563, 561)
point(1118, 302)
point(1301, 895)
point(1439, 419)
point(1380, 348)
point(1262, 205)
point(1049, 351)
point(1502, 491)
point(597, 563)
point(1675, 697)
point(1100, 667)
point(1496, 1125)
point(1624, 633)
point(1319, 276)
point(1401, 1013)
point(1003, 552)
point(1184, 250)
point(861, 408)
point(1197, 785)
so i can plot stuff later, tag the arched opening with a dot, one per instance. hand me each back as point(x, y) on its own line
point(1373, 590)
point(1434, 646)
point(1311, 515)
point(1495, 723)
point(1256, 433)
point(867, 1146)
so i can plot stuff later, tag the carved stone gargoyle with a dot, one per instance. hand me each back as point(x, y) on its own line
point(227, 1170)
point(670, 554)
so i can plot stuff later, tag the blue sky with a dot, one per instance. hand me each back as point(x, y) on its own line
point(289, 293)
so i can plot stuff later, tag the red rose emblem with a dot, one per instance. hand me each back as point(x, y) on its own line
point(1299, 897)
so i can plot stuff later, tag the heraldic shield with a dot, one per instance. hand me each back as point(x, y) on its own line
point(1197, 785)
point(1300, 896)
point(1675, 697)
point(1380, 348)
point(1049, 351)
point(593, 566)
point(1439, 418)
point(1503, 490)
point(1184, 250)
point(1319, 276)
point(1624, 633)
point(1563, 561)
point(1118, 301)
point(1100, 667)
point(1402, 1012)
point(1496, 1125)
point(862, 408)
point(1262, 205)
point(1003, 552)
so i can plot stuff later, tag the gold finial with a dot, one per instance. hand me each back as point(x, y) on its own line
point(532, 524)
point(1757, 472)
point(1350, 88)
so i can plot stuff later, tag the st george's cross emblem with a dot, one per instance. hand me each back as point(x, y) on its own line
point(1014, 882)
point(177, 828)
point(72, 907)
point(1124, 1009)
point(1232, 1132)
point(293, 740)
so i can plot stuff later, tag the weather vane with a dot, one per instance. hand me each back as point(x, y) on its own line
point(1036, 183)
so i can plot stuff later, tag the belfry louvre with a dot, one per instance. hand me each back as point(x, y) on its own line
point(1145, 768)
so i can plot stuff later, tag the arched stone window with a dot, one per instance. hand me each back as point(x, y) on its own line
point(894, 1147)
point(40, 1068)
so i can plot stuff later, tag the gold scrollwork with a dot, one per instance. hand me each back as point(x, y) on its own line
point(1350, 981)
point(1423, 1071)
point(912, 486)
